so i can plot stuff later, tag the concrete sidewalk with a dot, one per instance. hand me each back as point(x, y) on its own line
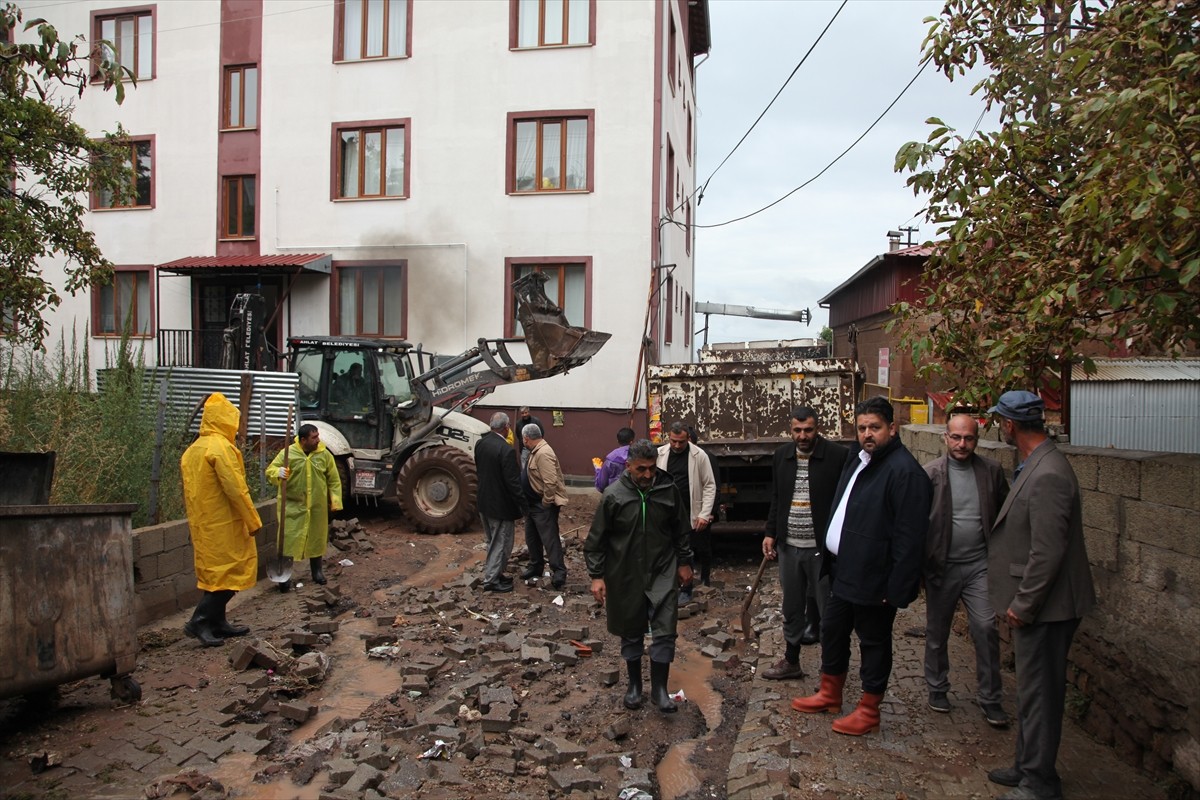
point(918, 754)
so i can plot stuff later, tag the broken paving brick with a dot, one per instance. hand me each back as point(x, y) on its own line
point(326, 626)
point(299, 711)
point(242, 655)
point(560, 751)
point(710, 651)
point(489, 696)
point(532, 653)
point(302, 638)
point(574, 780)
point(619, 729)
point(727, 661)
point(609, 676)
point(500, 718)
point(722, 640)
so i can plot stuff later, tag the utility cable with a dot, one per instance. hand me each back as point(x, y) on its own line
point(812, 47)
point(825, 168)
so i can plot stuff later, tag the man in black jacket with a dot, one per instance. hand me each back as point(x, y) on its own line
point(806, 474)
point(873, 546)
point(500, 500)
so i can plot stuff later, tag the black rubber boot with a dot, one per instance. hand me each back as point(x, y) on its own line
point(705, 572)
point(658, 687)
point(223, 628)
point(200, 626)
point(633, 697)
point(318, 574)
point(284, 586)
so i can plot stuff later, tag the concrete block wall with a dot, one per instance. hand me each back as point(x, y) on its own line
point(164, 576)
point(1136, 656)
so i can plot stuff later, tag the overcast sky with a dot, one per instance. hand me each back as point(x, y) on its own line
point(791, 255)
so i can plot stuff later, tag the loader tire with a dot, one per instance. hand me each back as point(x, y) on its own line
point(436, 488)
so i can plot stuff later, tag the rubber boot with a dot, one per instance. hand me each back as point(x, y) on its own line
point(706, 572)
point(318, 574)
point(863, 719)
point(827, 698)
point(223, 628)
point(659, 670)
point(633, 697)
point(200, 626)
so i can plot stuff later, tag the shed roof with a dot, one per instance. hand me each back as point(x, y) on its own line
point(916, 251)
point(1140, 369)
point(279, 262)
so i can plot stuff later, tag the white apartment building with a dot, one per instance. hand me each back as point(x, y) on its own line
point(388, 167)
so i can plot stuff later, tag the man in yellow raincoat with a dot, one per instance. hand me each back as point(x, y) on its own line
point(313, 491)
point(222, 519)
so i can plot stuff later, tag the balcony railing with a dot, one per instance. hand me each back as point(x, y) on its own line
point(180, 347)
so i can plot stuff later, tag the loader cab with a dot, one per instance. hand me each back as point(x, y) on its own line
point(352, 384)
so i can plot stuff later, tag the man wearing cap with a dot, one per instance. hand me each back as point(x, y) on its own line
point(1040, 582)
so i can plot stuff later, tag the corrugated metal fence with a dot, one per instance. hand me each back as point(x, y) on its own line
point(1138, 404)
point(266, 413)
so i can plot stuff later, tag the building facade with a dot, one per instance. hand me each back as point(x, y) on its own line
point(388, 167)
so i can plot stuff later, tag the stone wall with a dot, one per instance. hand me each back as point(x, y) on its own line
point(164, 578)
point(1137, 655)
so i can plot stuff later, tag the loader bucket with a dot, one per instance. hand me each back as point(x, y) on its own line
point(554, 344)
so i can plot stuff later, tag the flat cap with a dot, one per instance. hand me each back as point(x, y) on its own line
point(1020, 406)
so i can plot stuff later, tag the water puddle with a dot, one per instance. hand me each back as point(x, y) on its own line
point(690, 672)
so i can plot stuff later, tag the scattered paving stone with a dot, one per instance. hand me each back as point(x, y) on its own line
point(500, 718)
point(323, 627)
point(575, 780)
point(299, 711)
point(619, 729)
point(340, 770)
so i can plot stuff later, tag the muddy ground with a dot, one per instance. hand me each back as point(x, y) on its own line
point(494, 676)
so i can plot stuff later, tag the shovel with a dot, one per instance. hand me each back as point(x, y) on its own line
point(279, 568)
point(747, 626)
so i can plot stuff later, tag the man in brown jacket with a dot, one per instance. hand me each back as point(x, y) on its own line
point(546, 489)
point(967, 494)
point(1041, 583)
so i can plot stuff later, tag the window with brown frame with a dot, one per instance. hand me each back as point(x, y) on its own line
point(124, 304)
point(371, 300)
point(372, 29)
point(238, 200)
point(372, 160)
point(670, 176)
point(127, 39)
point(138, 158)
point(687, 231)
point(687, 146)
point(687, 318)
point(240, 106)
point(566, 286)
point(551, 154)
point(669, 309)
point(671, 51)
point(553, 23)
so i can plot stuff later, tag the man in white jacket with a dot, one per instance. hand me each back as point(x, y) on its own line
point(692, 472)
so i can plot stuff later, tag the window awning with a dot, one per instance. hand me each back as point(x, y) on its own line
point(286, 264)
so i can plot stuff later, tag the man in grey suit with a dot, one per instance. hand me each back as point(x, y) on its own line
point(1040, 582)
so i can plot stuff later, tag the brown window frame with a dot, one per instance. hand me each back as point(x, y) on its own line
point(224, 233)
point(147, 14)
point(227, 99)
point(543, 264)
point(403, 124)
point(514, 37)
point(134, 143)
point(542, 118)
point(344, 269)
point(118, 325)
point(339, 29)
point(672, 46)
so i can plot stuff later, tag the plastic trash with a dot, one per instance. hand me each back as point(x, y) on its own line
point(626, 761)
point(679, 697)
point(633, 793)
point(439, 750)
point(558, 601)
point(384, 651)
point(345, 562)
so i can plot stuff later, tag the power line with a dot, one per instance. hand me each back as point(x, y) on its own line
point(827, 166)
point(812, 47)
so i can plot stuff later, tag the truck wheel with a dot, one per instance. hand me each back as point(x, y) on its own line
point(436, 488)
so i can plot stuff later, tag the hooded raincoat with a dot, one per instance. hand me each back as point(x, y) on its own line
point(313, 490)
point(220, 513)
point(637, 543)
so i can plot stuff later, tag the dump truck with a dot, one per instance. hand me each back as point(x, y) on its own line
point(392, 415)
point(738, 398)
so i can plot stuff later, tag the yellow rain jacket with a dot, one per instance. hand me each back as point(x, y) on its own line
point(220, 513)
point(313, 490)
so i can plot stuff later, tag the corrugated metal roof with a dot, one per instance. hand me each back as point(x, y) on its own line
point(1140, 369)
point(313, 262)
